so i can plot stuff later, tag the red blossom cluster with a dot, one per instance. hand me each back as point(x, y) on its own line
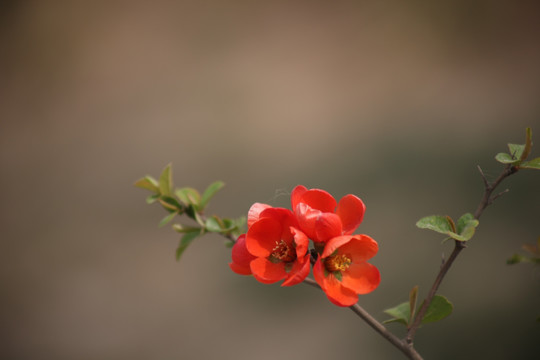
point(276, 245)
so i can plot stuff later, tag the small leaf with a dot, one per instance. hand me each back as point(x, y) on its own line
point(516, 151)
point(532, 164)
point(466, 226)
point(210, 191)
point(170, 203)
point(212, 224)
point(516, 259)
point(504, 158)
point(165, 181)
point(189, 196)
point(185, 229)
point(400, 314)
point(148, 183)
point(436, 223)
point(439, 308)
point(152, 199)
point(528, 144)
point(185, 241)
point(167, 219)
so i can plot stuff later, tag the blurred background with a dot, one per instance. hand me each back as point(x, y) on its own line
point(396, 102)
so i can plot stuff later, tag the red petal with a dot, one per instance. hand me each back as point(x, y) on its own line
point(360, 248)
point(267, 272)
point(319, 199)
point(361, 278)
point(351, 211)
point(301, 241)
point(239, 269)
point(254, 212)
point(262, 236)
point(296, 195)
point(285, 218)
point(335, 243)
point(299, 272)
point(336, 293)
point(241, 258)
point(307, 217)
point(327, 226)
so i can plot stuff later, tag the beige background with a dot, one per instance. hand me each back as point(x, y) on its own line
point(394, 101)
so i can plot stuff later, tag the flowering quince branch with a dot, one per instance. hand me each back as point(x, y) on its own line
point(316, 235)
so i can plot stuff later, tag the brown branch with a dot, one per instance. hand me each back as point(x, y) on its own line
point(403, 346)
point(487, 200)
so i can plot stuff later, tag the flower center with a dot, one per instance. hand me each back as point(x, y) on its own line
point(339, 262)
point(283, 252)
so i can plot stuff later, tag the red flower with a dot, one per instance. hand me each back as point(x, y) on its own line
point(241, 258)
point(281, 250)
point(320, 219)
point(342, 270)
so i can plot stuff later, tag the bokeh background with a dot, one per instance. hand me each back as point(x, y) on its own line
point(394, 101)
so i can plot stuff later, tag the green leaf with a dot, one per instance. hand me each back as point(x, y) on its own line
point(436, 223)
point(170, 203)
point(439, 308)
point(445, 225)
point(400, 314)
point(152, 199)
point(165, 181)
point(504, 158)
point(466, 227)
point(185, 241)
point(532, 164)
point(148, 183)
point(516, 151)
point(210, 191)
point(212, 224)
point(185, 229)
point(167, 219)
point(516, 259)
point(189, 196)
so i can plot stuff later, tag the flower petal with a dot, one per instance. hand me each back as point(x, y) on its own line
point(351, 211)
point(301, 241)
point(299, 272)
point(254, 212)
point(319, 199)
point(327, 226)
point(266, 271)
point(360, 248)
point(262, 236)
point(296, 195)
point(335, 243)
point(283, 216)
point(241, 258)
point(335, 292)
point(361, 278)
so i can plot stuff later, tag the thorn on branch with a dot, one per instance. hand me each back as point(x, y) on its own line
point(498, 195)
point(486, 183)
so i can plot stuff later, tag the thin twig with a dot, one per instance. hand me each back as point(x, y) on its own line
point(405, 348)
point(487, 200)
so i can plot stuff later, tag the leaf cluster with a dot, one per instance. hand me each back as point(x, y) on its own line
point(189, 202)
point(404, 313)
point(518, 154)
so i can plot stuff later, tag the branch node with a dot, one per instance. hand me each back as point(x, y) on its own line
point(498, 195)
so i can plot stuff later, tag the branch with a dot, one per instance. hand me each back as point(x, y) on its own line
point(404, 347)
point(487, 200)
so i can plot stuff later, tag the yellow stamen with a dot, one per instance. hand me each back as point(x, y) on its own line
point(339, 262)
point(283, 252)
